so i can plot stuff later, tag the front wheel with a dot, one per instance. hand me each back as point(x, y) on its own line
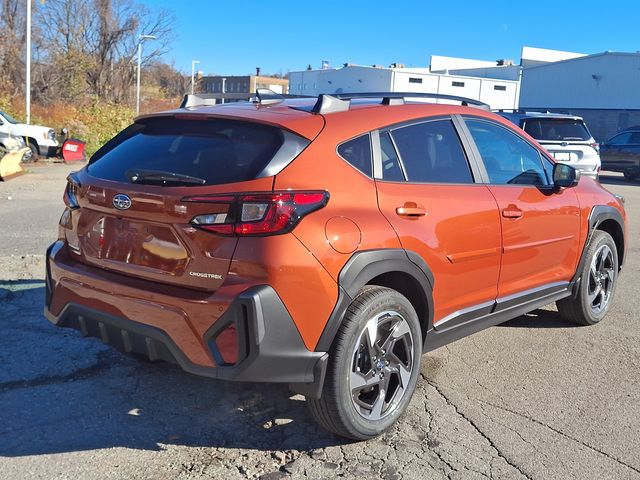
point(599, 276)
point(373, 368)
point(33, 157)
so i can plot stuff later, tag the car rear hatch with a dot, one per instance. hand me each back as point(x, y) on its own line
point(567, 140)
point(132, 208)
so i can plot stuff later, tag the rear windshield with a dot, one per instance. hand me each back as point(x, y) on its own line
point(213, 151)
point(563, 129)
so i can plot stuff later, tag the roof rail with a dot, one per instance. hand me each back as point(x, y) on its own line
point(330, 104)
point(263, 96)
point(198, 100)
point(266, 96)
point(339, 102)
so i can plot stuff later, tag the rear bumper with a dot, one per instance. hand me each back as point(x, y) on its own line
point(269, 346)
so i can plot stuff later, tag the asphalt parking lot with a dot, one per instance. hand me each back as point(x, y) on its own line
point(534, 398)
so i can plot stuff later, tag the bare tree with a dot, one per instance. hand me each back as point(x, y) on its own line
point(171, 82)
point(12, 39)
point(90, 46)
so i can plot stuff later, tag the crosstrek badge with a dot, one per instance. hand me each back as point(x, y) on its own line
point(206, 275)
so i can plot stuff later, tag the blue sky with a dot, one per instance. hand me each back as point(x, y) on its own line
point(235, 37)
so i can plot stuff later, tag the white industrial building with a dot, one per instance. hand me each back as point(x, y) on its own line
point(601, 88)
point(498, 93)
point(496, 83)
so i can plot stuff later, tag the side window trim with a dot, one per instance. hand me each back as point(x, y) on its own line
point(478, 169)
point(378, 169)
point(541, 156)
point(376, 153)
point(400, 162)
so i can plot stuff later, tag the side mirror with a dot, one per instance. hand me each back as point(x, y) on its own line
point(565, 176)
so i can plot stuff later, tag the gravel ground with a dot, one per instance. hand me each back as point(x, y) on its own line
point(534, 398)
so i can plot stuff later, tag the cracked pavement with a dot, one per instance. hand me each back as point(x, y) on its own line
point(535, 398)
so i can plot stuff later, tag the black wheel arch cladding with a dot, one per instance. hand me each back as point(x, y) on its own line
point(394, 267)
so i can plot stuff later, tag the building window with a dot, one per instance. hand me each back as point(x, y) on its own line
point(415, 80)
point(457, 84)
point(501, 88)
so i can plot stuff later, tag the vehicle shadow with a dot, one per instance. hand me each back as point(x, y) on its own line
point(60, 392)
point(612, 179)
point(539, 319)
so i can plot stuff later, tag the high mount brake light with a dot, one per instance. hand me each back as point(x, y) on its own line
point(258, 213)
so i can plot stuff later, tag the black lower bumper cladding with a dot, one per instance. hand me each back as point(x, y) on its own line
point(272, 348)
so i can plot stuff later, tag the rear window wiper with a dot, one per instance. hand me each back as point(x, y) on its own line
point(158, 177)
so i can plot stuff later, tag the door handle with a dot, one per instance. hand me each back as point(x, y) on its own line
point(512, 211)
point(411, 209)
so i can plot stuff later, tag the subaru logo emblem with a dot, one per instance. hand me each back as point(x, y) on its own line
point(121, 201)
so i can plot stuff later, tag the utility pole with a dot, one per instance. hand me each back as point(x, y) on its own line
point(141, 39)
point(193, 75)
point(27, 88)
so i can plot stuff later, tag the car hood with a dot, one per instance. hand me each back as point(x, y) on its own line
point(25, 130)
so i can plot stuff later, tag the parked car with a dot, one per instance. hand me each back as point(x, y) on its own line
point(326, 245)
point(12, 144)
point(41, 140)
point(566, 138)
point(621, 153)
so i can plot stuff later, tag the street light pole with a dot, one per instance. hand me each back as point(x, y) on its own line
point(27, 88)
point(193, 74)
point(141, 39)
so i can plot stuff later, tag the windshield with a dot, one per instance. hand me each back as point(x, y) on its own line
point(9, 118)
point(558, 129)
point(170, 151)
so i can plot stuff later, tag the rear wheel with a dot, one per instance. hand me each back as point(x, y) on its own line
point(373, 368)
point(597, 285)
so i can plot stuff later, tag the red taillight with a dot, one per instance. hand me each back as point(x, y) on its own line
point(71, 192)
point(260, 213)
point(596, 146)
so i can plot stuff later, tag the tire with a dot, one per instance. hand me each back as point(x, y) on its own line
point(362, 411)
point(598, 282)
point(34, 152)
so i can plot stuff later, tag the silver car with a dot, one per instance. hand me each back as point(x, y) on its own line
point(565, 137)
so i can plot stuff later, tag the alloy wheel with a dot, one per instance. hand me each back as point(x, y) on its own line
point(601, 277)
point(381, 366)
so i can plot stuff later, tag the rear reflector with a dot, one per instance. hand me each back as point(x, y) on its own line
point(258, 214)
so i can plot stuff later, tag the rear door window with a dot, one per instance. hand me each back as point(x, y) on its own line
point(557, 129)
point(431, 152)
point(213, 151)
point(622, 139)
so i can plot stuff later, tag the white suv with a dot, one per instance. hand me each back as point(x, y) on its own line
point(41, 140)
point(565, 137)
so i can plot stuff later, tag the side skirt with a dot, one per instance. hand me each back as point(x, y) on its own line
point(505, 309)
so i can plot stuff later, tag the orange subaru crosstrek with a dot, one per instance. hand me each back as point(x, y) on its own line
point(326, 243)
